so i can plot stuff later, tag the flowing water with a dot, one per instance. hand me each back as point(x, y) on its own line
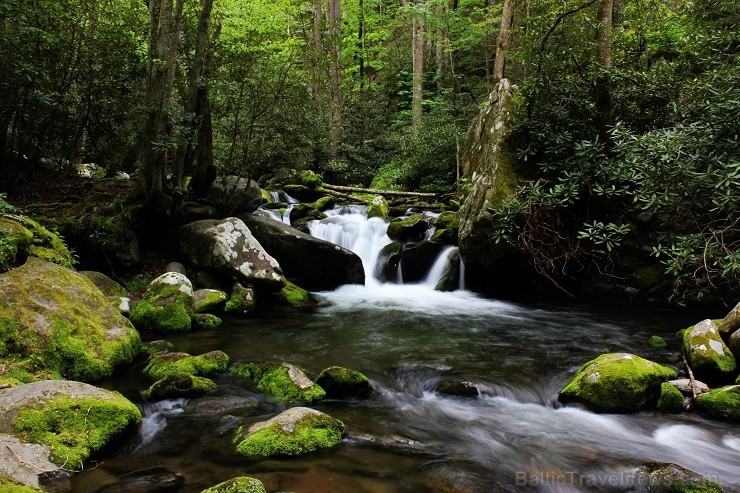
point(406, 437)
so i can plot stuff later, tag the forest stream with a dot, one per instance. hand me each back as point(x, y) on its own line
point(406, 437)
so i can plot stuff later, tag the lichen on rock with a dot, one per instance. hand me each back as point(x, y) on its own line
point(707, 353)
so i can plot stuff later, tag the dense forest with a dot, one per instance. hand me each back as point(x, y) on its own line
point(624, 109)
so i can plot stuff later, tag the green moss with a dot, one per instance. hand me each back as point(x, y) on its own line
point(447, 220)
point(324, 203)
point(7, 485)
point(649, 276)
point(265, 196)
point(168, 310)
point(153, 347)
point(241, 300)
point(378, 207)
point(722, 403)
point(275, 379)
point(75, 428)
point(179, 384)
point(310, 179)
point(342, 383)
point(21, 237)
point(407, 229)
point(212, 301)
point(241, 484)
point(446, 236)
point(671, 399)
point(312, 433)
point(707, 353)
point(657, 342)
point(161, 365)
point(295, 295)
point(206, 321)
point(617, 382)
point(671, 478)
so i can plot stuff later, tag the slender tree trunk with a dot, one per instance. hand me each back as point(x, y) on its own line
point(502, 44)
point(602, 87)
point(335, 74)
point(361, 42)
point(317, 54)
point(164, 30)
point(441, 38)
point(417, 81)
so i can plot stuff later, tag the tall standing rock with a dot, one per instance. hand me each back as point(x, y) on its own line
point(489, 163)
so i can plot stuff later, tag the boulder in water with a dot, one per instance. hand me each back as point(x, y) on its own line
point(242, 484)
point(408, 229)
point(617, 383)
point(228, 247)
point(295, 296)
point(418, 258)
point(162, 364)
point(206, 321)
point(457, 388)
point(179, 384)
point(74, 419)
point(241, 300)
point(297, 431)
point(670, 400)
point(378, 207)
point(157, 479)
point(671, 478)
point(389, 258)
point(64, 322)
point(209, 301)
point(722, 403)
point(309, 262)
point(285, 381)
point(731, 323)
point(167, 305)
point(707, 354)
point(344, 383)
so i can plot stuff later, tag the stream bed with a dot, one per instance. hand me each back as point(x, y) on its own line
point(408, 438)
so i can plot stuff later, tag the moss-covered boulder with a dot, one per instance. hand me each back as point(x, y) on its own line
point(105, 284)
point(162, 364)
point(295, 295)
point(242, 484)
point(228, 247)
point(446, 236)
point(389, 259)
point(378, 207)
point(671, 478)
point(74, 419)
point(63, 322)
point(167, 305)
point(286, 382)
point(456, 387)
point(324, 203)
point(206, 321)
point(21, 465)
point(241, 301)
point(179, 384)
point(234, 195)
point(617, 383)
point(297, 431)
point(155, 347)
point(447, 220)
point(734, 344)
point(707, 354)
point(722, 403)
point(101, 241)
point(305, 211)
point(21, 237)
point(670, 400)
point(408, 229)
point(657, 342)
point(731, 323)
point(344, 383)
point(209, 301)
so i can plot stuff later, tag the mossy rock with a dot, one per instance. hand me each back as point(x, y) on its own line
point(344, 383)
point(242, 484)
point(617, 383)
point(162, 364)
point(101, 241)
point(670, 400)
point(446, 236)
point(21, 237)
point(209, 301)
point(297, 431)
point(60, 322)
point(180, 384)
point(74, 419)
point(324, 203)
point(295, 295)
point(286, 382)
point(167, 305)
point(457, 388)
point(447, 220)
point(15, 371)
point(407, 229)
point(731, 322)
point(305, 211)
point(206, 321)
point(722, 403)
point(657, 342)
point(378, 207)
point(105, 284)
point(241, 300)
point(155, 347)
point(707, 354)
point(672, 478)
point(649, 276)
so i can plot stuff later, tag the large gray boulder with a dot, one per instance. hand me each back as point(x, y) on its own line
point(228, 247)
point(309, 262)
point(62, 323)
point(233, 195)
point(48, 413)
point(489, 163)
point(707, 354)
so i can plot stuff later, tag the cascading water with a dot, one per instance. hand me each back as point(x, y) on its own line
point(154, 418)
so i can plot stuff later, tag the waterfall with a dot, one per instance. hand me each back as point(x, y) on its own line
point(274, 195)
point(155, 417)
point(439, 268)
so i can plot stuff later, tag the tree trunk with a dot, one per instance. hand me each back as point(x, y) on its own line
point(502, 44)
point(335, 74)
point(417, 81)
point(317, 53)
point(164, 30)
point(361, 43)
point(441, 41)
point(602, 87)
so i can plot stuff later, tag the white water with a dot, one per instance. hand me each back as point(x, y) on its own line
point(439, 268)
point(154, 418)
